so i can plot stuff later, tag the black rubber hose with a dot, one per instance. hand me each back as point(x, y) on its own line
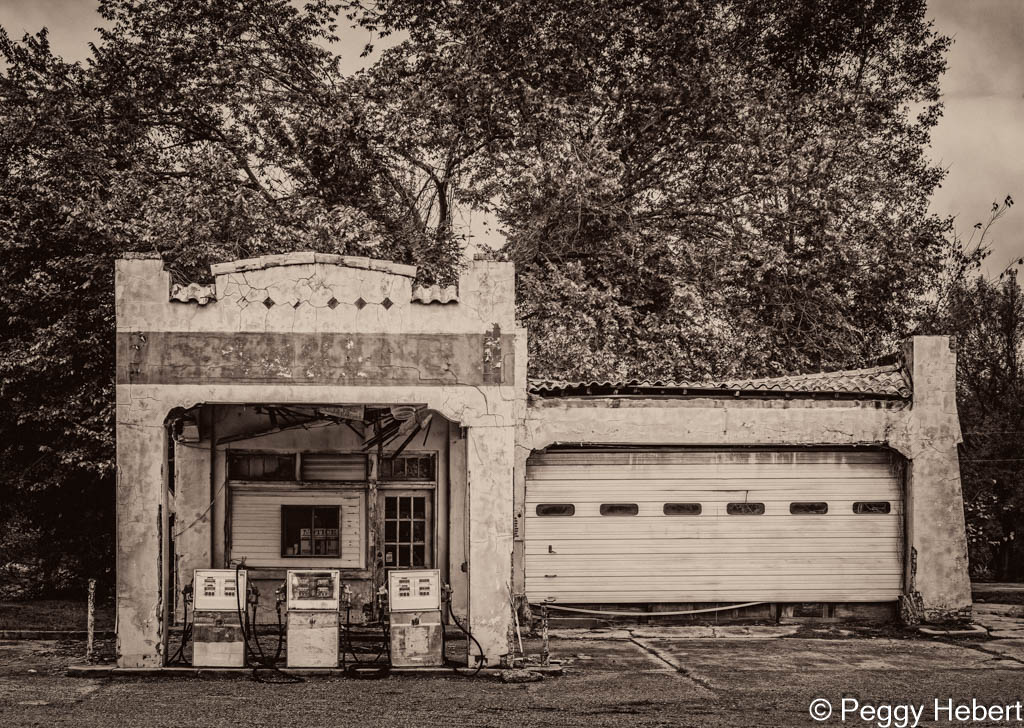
point(469, 635)
point(280, 634)
point(186, 635)
point(242, 620)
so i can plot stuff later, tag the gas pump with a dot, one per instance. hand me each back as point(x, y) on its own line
point(416, 632)
point(218, 639)
point(313, 603)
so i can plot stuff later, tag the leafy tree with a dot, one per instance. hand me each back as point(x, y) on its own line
point(696, 188)
point(205, 131)
point(689, 189)
point(987, 317)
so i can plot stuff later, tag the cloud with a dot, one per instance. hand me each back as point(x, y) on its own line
point(981, 134)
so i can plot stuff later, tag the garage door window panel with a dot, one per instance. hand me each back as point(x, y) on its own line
point(682, 509)
point(619, 509)
point(872, 508)
point(808, 509)
point(745, 509)
point(551, 510)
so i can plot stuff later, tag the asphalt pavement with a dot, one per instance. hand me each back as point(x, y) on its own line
point(693, 676)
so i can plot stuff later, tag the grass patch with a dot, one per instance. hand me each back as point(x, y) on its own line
point(60, 614)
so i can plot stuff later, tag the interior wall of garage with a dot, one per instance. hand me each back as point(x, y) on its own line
point(203, 504)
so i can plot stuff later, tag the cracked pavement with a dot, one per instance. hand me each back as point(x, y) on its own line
point(636, 676)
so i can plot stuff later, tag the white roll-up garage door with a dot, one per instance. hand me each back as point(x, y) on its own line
point(713, 526)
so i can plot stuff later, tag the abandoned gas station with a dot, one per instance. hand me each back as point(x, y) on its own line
point(322, 414)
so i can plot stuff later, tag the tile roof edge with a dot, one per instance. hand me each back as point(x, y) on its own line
point(793, 385)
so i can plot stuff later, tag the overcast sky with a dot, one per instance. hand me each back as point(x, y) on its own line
point(980, 139)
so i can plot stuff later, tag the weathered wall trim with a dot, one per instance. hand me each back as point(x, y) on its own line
point(356, 360)
point(279, 332)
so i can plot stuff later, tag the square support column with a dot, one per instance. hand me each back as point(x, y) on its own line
point(142, 563)
point(938, 584)
point(489, 460)
point(193, 514)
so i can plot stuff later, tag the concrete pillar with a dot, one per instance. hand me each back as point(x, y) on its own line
point(193, 521)
point(458, 556)
point(938, 585)
point(489, 460)
point(142, 563)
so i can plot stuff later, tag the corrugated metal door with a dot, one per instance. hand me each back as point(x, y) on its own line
point(713, 526)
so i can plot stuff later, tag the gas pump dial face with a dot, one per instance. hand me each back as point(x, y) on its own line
point(313, 590)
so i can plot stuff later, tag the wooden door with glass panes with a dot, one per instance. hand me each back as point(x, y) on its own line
point(408, 528)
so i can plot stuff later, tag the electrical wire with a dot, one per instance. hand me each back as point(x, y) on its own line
point(652, 613)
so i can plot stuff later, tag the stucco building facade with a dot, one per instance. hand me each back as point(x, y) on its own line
point(319, 410)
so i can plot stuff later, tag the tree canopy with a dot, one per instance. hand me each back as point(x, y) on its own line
point(693, 188)
point(688, 189)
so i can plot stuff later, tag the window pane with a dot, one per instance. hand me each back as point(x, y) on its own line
point(325, 531)
point(390, 507)
point(807, 509)
point(279, 467)
point(238, 467)
point(390, 530)
point(745, 509)
point(417, 555)
point(404, 556)
point(409, 467)
point(619, 509)
point(872, 507)
point(255, 466)
point(419, 529)
point(404, 531)
point(325, 518)
point(293, 520)
point(681, 509)
point(310, 531)
point(390, 555)
point(555, 509)
point(405, 507)
point(419, 507)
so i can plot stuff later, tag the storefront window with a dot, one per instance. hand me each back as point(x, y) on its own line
point(310, 531)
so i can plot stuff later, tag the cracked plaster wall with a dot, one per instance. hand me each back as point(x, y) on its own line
point(925, 432)
point(302, 293)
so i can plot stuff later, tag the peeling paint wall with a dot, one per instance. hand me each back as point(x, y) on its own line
point(325, 330)
point(925, 432)
point(311, 329)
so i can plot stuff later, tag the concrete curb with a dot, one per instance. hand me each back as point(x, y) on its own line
point(245, 673)
point(969, 629)
point(52, 634)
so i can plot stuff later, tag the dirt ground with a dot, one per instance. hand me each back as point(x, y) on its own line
point(635, 677)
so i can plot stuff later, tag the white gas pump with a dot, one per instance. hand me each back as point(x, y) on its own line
point(217, 636)
point(416, 631)
point(313, 601)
